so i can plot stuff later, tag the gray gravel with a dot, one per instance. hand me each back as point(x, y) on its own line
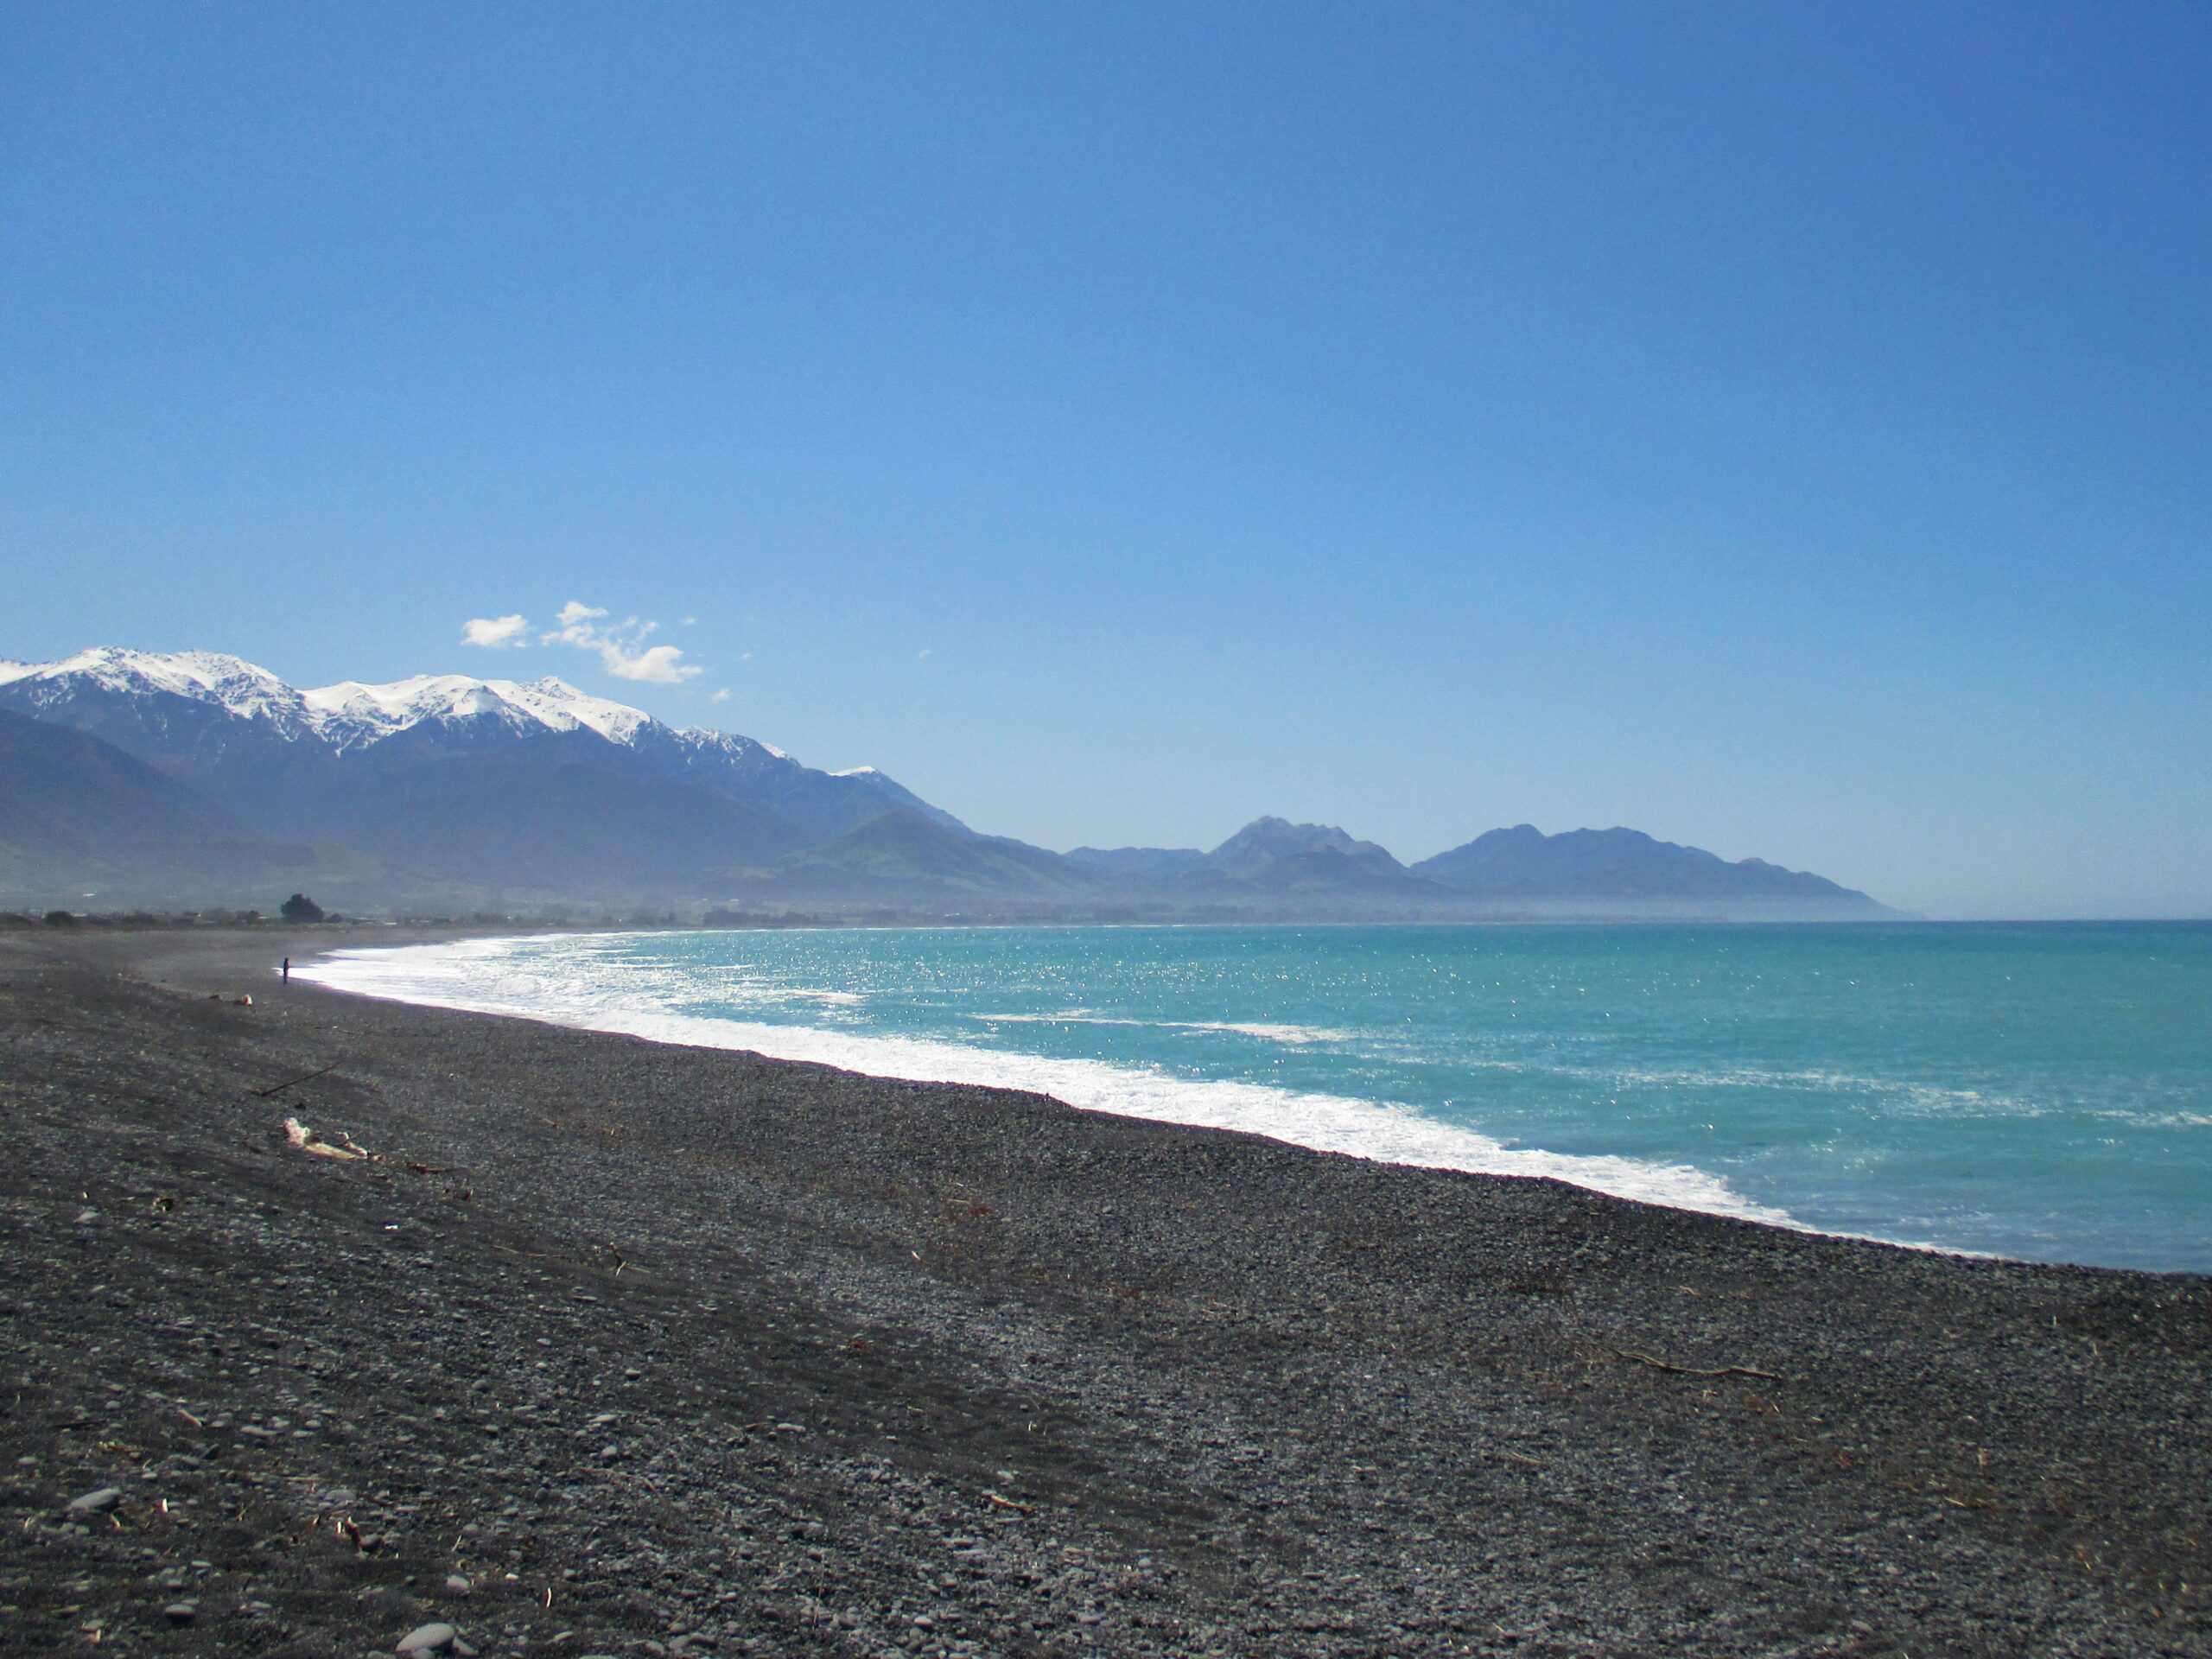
point(667, 1351)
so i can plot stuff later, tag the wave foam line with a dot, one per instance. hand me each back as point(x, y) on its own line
point(494, 976)
point(1295, 1036)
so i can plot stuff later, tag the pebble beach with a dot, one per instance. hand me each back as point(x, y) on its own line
point(523, 1340)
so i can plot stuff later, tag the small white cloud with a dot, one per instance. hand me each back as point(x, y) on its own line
point(622, 649)
point(495, 632)
point(659, 665)
point(721, 695)
point(926, 651)
point(691, 621)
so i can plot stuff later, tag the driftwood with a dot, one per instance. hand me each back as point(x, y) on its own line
point(313, 1141)
point(1694, 1371)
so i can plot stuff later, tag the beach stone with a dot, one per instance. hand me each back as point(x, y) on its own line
point(438, 1638)
point(101, 1502)
point(456, 1584)
point(180, 1612)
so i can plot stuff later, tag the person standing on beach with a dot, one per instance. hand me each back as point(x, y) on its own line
point(288, 970)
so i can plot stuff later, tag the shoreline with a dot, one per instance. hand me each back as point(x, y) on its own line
point(1381, 1132)
point(733, 1354)
point(1377, 1131)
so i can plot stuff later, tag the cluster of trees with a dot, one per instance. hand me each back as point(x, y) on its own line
point(299, 908)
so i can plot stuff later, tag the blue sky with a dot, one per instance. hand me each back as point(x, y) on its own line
point(1783, 429)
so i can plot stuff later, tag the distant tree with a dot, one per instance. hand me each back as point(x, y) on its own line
point(301, 908)
point(60, 919)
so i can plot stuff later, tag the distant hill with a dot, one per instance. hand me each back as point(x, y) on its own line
point(184, 773)
point(1280, 855)
point(1626, 872)
point(1271, 866)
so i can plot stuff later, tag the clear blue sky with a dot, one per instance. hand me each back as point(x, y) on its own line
point(1785, 428)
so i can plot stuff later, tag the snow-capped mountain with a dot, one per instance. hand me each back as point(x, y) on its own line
point(463, 775)
point(537, 792)
point(202, 681)
point(349, 714)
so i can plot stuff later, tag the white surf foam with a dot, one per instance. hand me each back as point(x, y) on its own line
point(560, 979)
point(1292, 1036)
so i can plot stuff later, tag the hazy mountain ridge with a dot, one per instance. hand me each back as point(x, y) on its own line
point(1614, 868)
point(1521, 871)
point(74, 809)
point(536, 792)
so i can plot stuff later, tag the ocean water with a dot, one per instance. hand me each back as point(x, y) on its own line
point(2036, 1091)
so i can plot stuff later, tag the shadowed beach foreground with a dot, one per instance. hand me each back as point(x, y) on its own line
point(666, 1350)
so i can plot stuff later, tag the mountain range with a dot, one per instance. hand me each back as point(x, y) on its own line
point(147, 777)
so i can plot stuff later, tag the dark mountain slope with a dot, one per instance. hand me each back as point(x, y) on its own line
point(905, 858)
point(78, 814)
point(66, 788)
point(555, 819)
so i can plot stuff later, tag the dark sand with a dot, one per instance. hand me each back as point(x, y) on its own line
point(678, 1350)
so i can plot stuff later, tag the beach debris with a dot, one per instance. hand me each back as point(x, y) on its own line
point(305, 1077)
point(322, 1145)
point(1694, 1371)
point(101, 1502)
point(432, 1638)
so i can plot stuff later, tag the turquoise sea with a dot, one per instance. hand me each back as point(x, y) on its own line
point(2041, 1092)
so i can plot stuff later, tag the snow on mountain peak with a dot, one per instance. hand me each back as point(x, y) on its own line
point(346, 714)
point(555, 701)
point(351, 713)
point(210, 676)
